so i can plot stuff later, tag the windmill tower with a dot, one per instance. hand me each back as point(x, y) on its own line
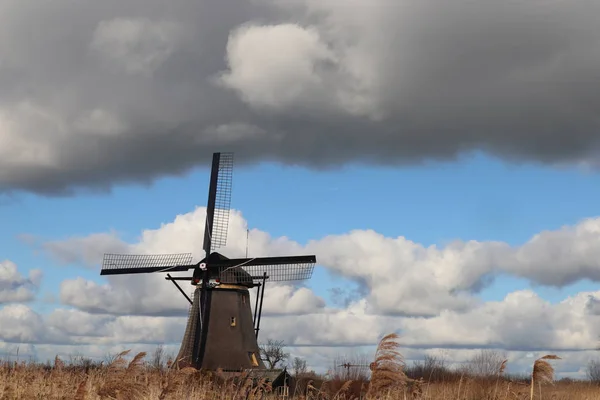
point(221, 331)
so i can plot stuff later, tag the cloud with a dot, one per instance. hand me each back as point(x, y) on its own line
point(403, 277)
point(151, 294)
point(14, 287)
point(21, 324)
point(276, 67)
point(109, 93)
point(521, 325)
point(445, 313)
point(395, 275)
point(131, 295)
point(521, 321)
point(560, 257)
point(137, 46)
point(85, 251)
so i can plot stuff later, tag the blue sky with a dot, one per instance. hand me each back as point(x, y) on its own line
point(476, 197)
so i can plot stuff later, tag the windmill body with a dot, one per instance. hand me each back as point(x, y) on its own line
point(222, 330)
point(230, 342)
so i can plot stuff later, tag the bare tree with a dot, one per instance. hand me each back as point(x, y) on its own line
point(593, 371)
point(487, 363)
point(299, 366)
point(272, 352)
point(80, 361)
point(158, 358)
point(432, 368)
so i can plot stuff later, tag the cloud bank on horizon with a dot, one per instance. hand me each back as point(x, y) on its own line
point(406, 284)
point(127, 91)
point(427, 294)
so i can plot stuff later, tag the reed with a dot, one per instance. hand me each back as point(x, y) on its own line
point(133, 380)
point(542, 372)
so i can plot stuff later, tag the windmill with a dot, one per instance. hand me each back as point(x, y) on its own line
point(222, 331)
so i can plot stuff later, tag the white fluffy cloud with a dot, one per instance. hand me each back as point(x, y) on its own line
point(522, 323)
point(151, 294)
point(279, 67)
point(397, 276)
point(14, 287)
point(522, 320)
point(21, 324)
point(426, 294)
point(407, 277)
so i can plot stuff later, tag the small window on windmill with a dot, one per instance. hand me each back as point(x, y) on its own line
point(253, 359)
point(232, 321)
point(243, 299)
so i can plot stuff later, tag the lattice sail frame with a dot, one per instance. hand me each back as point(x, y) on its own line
point(115, 263)
point(222, 202)
point(274, 273)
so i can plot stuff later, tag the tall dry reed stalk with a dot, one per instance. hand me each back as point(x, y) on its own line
point(121, 382)
point(60, 382)
point(387, 371)
point(542, 372)
point(499, 374)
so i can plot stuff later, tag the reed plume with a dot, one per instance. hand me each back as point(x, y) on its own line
point(542, 372)
point(131, 380)
point(388, 367)
point(119, 362)
point(502, 367)
point(81, 392)
point(501, 370)
point(58, 363)
point(343, 390)
point(121, 381)
point(136, 362)
point(173, 381)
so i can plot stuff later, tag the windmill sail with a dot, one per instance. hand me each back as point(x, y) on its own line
point(118, 264)
point(219, 202)
point(277, 269)
point(221, 332)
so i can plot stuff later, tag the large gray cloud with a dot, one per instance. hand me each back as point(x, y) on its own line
point(129, 90)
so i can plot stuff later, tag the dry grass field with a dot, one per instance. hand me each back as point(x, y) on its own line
point(26, 382)
point(135, 379)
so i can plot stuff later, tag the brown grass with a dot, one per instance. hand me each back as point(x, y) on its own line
point(133, 380)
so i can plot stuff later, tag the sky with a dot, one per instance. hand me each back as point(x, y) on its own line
point(440, 160)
